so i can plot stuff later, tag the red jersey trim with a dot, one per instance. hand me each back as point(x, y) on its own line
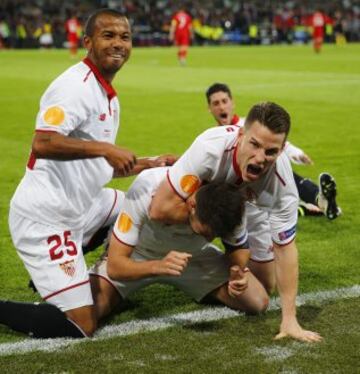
point(280, 178)
point(119, 240)
point(172, 186)
point(236, 165)
point(107, 86)
point(87, 76)
point(284, 244)
point(112, 208)
point(32, 160)
point(40, 130)
point(261, 262)
point(103, 224)
point(235, 119)
point(65, 289)
point(230, 149)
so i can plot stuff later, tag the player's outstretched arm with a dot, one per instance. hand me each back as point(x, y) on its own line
point(120, 266)
point(55, 146)
point(287, 271)
point(167, 206)
point(297, 155)
point(143, 163)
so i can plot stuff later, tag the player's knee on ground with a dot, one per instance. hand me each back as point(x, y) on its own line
point(252, 301)
point(258, 304)
point(84, 317)
point(38, 320)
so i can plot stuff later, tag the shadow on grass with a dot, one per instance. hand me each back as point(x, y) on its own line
point(203, 327)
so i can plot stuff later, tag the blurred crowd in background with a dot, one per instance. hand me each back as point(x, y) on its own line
point(42, 23)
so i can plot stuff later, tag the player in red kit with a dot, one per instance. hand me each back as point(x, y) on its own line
point(181, 33)
point(318, 21)
point(73, 31)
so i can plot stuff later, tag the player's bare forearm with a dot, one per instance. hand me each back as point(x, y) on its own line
point(286, 269)
point(239, 257)
point(286, 272)
point(55, 146)
point(52, 145)
point(121, 267)
point(167, 206)
point(143, 163)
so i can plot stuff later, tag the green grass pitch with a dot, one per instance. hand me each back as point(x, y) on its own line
point(163, 109)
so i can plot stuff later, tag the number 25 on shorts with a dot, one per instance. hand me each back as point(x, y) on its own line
point(56, 241)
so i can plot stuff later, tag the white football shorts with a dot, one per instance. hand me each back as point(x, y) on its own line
point(53, 257)
point(260, 242)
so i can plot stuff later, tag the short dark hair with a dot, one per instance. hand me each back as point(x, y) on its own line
point(270, 115)
point(221, 206)
point(90, 23)
point(217, 87)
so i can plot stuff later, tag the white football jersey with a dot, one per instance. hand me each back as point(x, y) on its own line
point(212, 157)
point(82, 105)
point(134, 228)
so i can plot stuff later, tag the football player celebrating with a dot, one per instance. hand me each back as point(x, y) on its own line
point(315, 200)
point(144, 252)
point(250, 156)
point(61, 202)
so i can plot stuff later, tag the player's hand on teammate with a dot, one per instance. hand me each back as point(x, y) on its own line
point(238, 281)
point(122, 160)
point(297, 155)
point(166, 160)
point(292, 329)
point(174, 263)
point(304, 159)
point(163, 160)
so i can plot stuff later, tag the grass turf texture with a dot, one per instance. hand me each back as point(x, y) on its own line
point(163, 109)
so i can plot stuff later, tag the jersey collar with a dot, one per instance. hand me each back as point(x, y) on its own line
point(235, 119)
point(106, 86)
point(236, 166)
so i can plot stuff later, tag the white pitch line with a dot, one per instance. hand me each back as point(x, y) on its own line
point(181, 319)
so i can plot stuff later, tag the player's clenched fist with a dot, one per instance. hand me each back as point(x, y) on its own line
point(238, 281)
point(122, 160)
point(174, 263)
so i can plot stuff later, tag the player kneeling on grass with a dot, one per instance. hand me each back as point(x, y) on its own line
point(143, 251)
point(61, 202)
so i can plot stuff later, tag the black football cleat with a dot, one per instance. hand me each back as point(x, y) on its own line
point(327, 196)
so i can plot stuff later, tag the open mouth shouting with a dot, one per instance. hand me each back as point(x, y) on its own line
point(224, 118)
point(253, 171)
